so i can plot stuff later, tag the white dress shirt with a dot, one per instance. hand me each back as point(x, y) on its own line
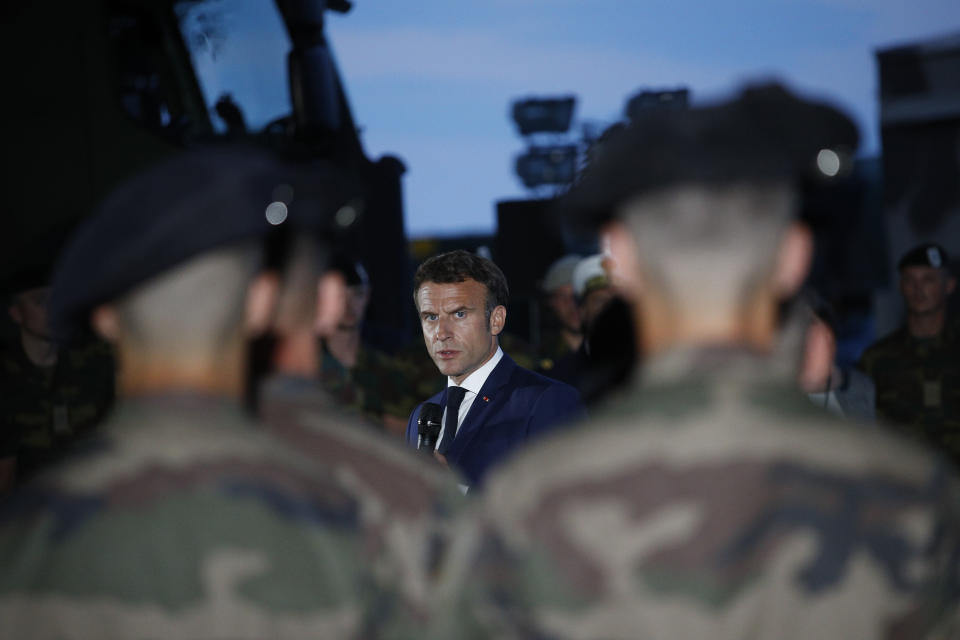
point(472, 383)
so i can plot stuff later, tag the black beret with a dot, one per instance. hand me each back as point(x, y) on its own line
point(766, 133)
point(927, 254)
point(189, 203)
point(31, 267)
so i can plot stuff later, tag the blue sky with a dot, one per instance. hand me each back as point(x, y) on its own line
point(432, 81)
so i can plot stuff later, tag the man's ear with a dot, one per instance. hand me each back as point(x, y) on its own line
point(793, 260)
point(106, 322)
point(819, 350)
point(261, 303)
point(951, 284)
point(498, 319)
point(331, 302)
point(626, 274)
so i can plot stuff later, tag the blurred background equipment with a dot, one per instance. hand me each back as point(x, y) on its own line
point(553, 165)
point(920, 131)
point(643, 101)
point(544, 115)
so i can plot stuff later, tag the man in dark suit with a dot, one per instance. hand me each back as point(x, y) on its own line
point(491, 405)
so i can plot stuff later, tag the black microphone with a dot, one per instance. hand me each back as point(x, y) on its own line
point(428, 426)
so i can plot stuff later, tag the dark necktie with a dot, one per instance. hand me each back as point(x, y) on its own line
point(454, 399)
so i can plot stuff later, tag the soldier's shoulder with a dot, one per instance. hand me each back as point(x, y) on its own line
point(605, 454)
point(889, 344)
point(352, 448)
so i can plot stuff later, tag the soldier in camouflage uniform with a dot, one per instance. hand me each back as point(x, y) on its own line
point(714, 501)
point(53, 394)
point(358, 375)
point(181, 519)
point(916, 369)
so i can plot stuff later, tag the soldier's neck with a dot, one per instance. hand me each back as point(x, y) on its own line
point(926, 325)
point(296, 354)
point(221, 374)
point(40, 351)
point(663, 327)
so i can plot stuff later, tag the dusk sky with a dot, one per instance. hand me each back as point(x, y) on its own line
point(432, 81)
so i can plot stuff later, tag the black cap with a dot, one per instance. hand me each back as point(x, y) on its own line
point(353, 271)
point(765, 134)
point(192, 202)
point(928, 254)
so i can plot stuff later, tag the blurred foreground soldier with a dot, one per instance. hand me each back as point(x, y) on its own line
point(405, 503)
point(715, 501)
point(182, 519)
point(916, 369)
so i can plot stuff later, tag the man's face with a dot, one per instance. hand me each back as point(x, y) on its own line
point(29, 310)
point(455, 328)
point(356, 307)
point(925, 289)
point(564, 305)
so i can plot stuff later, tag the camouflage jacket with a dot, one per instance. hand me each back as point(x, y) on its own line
point(377, 386)
point(183, 520)
point(715, 503)
point(43, 411)
point(918, 385)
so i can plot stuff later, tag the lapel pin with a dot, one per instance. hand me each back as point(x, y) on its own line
point(486, 399)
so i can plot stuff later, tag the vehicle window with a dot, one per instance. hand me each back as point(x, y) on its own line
point(239, 51)
point(145, 81)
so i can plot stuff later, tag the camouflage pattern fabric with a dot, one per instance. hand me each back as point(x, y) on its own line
point(918, 385)
point(377, 386)
point(425, 379)
point(716, 503)
point(43, 411)
point(183, 520)
point(410, 497)
point(520, 350)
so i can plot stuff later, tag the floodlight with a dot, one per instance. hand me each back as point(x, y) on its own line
point(645, 101)
point(543, 115)
point(547, 165)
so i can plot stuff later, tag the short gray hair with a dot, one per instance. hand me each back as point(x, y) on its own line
point(196, 307)
point(709, 240)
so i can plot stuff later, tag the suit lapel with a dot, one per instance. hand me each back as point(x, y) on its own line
point(480, 409)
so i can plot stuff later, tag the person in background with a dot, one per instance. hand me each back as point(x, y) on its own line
point(53, 393)
point(562, 304)
point(916, 369)
point(357, 374)
point(607, 355)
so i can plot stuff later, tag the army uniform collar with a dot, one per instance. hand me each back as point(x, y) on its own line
point(727, 362)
